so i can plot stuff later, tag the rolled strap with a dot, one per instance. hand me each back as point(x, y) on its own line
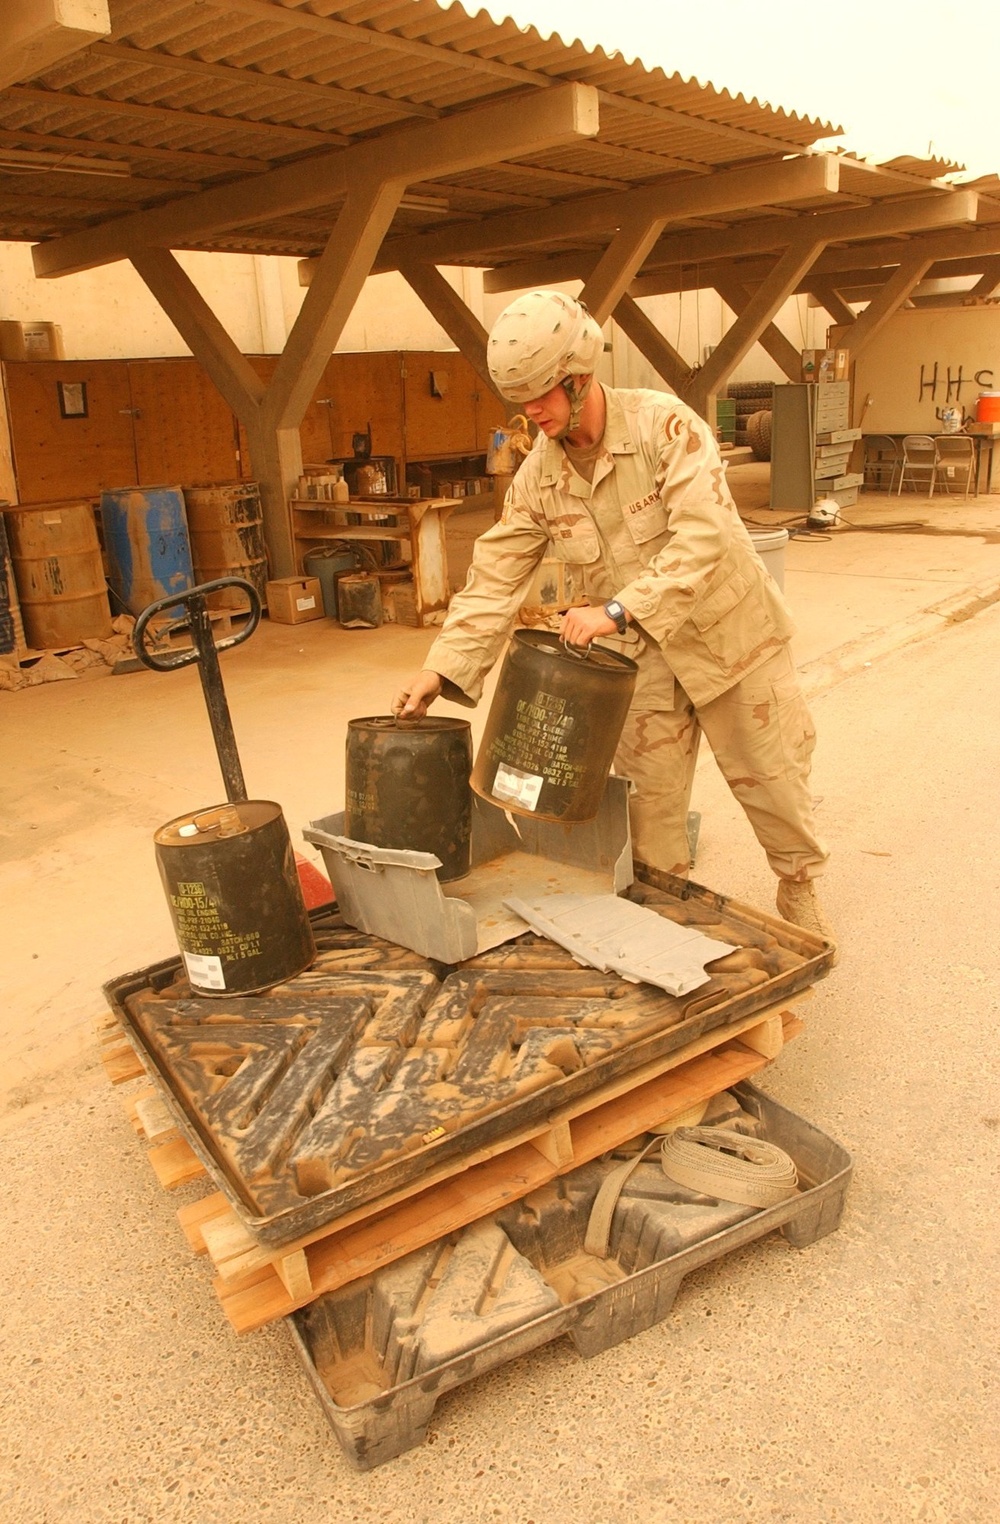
point(714, 1161)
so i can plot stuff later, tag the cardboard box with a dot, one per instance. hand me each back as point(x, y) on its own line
point(825, 364)
point(30, 341)
point(295, 600)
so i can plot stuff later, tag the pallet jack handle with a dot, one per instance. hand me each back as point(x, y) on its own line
point(205, 652)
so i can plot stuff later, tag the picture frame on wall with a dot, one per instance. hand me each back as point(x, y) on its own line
point(72, 399)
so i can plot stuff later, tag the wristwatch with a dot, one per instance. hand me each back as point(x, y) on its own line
point(616, 611)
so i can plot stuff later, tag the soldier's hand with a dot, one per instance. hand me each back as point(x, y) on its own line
point(413, 700)
point(581, 626)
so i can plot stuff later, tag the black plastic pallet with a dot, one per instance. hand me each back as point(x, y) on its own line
point(381, 1351)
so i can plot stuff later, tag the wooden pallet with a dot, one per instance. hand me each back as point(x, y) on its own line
point(258, 1283)
point(175, 634)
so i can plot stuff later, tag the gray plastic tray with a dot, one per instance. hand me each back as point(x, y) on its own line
point(395, 894)
point(390, 1344)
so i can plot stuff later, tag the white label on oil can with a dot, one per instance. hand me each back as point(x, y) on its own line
point(517, 787)
point(305, 603)
point(204, 970)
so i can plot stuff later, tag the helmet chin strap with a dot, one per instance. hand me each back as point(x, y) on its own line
point(576, 389)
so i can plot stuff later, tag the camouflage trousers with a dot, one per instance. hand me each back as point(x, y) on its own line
point(762, 736)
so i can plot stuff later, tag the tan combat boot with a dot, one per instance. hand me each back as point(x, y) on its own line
point(798, 902)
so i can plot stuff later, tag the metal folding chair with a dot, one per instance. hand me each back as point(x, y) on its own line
point(881, 462)
point(919, 459)
point(956, 457)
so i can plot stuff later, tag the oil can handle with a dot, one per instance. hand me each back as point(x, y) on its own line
point(581, 653)
point(195, 600)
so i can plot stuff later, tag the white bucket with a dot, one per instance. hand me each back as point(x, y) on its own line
point(770, 546)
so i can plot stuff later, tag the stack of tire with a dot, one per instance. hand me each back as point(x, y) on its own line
point(753, 415)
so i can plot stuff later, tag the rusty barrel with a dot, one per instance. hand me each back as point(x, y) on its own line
point(146, 544)
point(56, 557)
point(408, 787)
point(226, 525)
point(553, 728)
point(231, 883)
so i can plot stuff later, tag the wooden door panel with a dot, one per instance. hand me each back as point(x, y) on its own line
point(185, 431)
point(314, 430)
point(364, 389)
point(78, 456)
point(439, 425)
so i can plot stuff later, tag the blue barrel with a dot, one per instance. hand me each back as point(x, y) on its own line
point(146, 544)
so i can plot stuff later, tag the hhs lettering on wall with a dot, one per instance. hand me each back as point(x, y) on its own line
point(945, 387)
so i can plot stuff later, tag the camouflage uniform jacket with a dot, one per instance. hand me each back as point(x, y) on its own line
point(657, 529)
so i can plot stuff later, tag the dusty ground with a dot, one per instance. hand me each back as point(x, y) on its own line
point(850, 1383)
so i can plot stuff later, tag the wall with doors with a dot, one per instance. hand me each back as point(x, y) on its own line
point(77, 427)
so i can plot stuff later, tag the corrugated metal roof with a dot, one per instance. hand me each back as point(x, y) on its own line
point(196, 93)
point(188, 95)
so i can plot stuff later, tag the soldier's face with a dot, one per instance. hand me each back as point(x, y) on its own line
point(551, 412)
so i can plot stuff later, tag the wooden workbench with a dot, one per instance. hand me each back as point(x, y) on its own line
point(418, 522)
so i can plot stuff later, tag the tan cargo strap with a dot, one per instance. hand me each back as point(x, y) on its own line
point(715, 1161)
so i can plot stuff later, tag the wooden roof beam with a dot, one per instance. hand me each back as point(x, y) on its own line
point(942, 209)
point(789, 180)
point(888, 301)
point(990, 279)
point(649, 341)
point(972, 245)
point(737, 298)
point(758, 312)
point(827, 295)
point(464, 141)
point(610, 278)
point(461, 325)
point(545, 270)
point(214, 349)
point(38, 34)
point(340, 273)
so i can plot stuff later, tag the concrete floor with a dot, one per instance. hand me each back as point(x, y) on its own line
point(846, 1384)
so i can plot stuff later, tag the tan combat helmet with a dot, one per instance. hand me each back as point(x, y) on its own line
point(539, 340)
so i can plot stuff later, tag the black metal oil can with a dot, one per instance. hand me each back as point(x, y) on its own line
point(234, 896)
point(408, 787)
point(553, 728)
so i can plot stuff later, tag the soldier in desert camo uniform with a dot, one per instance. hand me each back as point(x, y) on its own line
point(629, 488)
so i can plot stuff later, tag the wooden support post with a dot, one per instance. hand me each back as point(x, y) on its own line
point(271, 415)
point(276, 458)
point(840, 312)
point(881, 308)
point(736, 296)
point(609, 280)
point(756, 315)
point(230, 371)
point(989, 281)
point(650, 342)
point(446, 307)
point(338, 277)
